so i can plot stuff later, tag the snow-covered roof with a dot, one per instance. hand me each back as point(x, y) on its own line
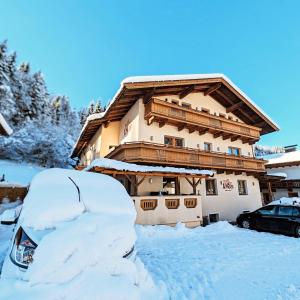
point(277, 174)
point(4, 127)
point(282, 158)
point(124, 166)
point(183, 80)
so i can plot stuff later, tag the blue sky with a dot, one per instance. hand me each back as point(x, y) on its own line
point(85, 48)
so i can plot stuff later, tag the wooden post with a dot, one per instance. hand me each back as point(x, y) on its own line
point(270, 191)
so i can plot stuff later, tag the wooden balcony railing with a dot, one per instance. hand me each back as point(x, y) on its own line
point(164, 112)
point(148, 153)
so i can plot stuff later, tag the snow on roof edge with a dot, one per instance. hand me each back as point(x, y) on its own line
point(133, 79)
point(5, 126)
point(278, 158)
point(197, 76)
point(124, 166)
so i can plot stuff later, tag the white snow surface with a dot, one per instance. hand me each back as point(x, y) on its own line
point(221, 261)
point(124, 166)
point(287, 201)
point(82, 257)
point(5, 126)
point(279, 174)
point(283, 157)
point(18, 174)
point(53, 198)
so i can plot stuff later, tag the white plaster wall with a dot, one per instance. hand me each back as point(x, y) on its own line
point(129, 125)
point(163, 215)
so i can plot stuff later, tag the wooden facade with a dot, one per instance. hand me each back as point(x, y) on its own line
point(164, 112)
point(148, 153)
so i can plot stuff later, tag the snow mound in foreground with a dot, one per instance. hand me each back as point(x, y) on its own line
point(82, 256)
point(53, 198)
point(287, 201)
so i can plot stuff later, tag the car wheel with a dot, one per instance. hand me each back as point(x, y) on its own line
point(297, 231)
point(246, 224)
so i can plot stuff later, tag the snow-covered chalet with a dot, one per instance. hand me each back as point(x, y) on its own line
point(181, 145)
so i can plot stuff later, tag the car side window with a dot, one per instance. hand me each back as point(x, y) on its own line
point(285, 211)
point(267, 210)
point(296, 212)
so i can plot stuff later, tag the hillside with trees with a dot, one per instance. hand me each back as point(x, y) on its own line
point(45, 126)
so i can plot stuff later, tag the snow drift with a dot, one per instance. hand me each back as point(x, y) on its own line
point(88, 231)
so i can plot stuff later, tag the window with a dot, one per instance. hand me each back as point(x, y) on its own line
point(205, 110)
point(190, 202)
point(285, 211)
point(293, 194)
point(174, 141)
point(211, 187)
point(172, 203)
point(296, 212)
point(207, 146)
point(175, 102)
point(148, 204)
point(169, 185)
point(267, 210)
point(186, 105)
point(242, 186)
point(234, 151)
point(213, 218)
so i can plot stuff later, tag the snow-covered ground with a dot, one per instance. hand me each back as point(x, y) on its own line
point(221, 261)
point(18, 173)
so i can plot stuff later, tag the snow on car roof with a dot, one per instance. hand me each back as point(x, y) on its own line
point(286, 201)
point(280, 158)
point(53, 197)
point(124, 166)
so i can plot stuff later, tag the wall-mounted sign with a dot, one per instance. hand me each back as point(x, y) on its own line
point(227, 185)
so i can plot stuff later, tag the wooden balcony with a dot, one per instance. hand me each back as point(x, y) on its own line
point(158, 154)
point(164, 112)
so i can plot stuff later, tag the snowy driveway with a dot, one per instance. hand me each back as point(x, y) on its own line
point(221, 261)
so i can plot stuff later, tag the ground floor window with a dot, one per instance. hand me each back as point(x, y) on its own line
point(213, 218)
point(211, 187)
point(242, 186)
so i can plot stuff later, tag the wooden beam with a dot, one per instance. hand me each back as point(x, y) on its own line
point(203, 131)
point(106, 124)
point(217, 134)
point(234, 138)
point(212, 89)
point(187, 91)
point(234, 107)
point(161, 123)
point(147, 97)
point(226, 136)
point(192, 129)
point(181, 127)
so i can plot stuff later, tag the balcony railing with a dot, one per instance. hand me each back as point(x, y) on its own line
point(149, 153)
point(164, 112)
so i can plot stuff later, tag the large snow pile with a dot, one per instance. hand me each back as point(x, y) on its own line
point(18, 173)
point(124, 166)
point(82, 256)
point(221, 261)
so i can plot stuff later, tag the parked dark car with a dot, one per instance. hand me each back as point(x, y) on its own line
point(283, 219)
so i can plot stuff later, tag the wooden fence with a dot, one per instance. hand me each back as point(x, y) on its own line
point(12, 193)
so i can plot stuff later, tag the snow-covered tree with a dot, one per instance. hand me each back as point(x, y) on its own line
point(45, 126)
